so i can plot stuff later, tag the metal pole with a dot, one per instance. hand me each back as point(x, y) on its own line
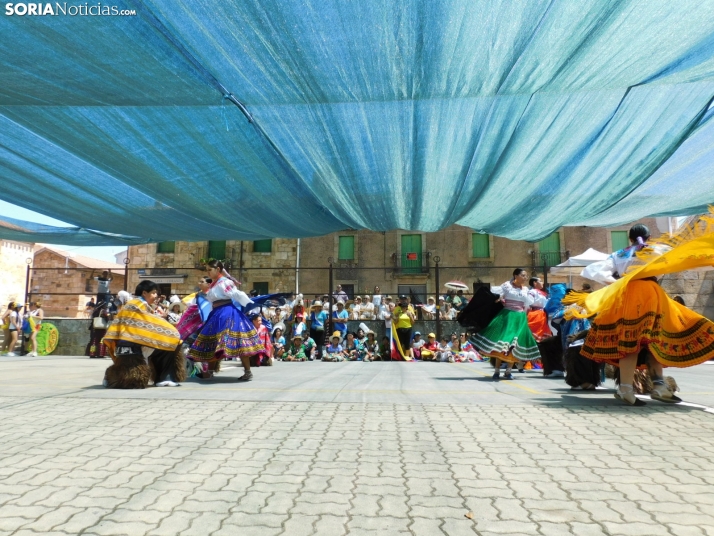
point(331, 298)
point(437, 260)
point(126, 271)
point(297, 269)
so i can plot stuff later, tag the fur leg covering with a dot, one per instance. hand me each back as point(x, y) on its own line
point(129, 372)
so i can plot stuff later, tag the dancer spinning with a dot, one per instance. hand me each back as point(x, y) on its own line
point(508, 338)
point(227, 332)
point(634, 312)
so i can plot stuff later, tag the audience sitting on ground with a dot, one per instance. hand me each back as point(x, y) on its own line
point(385, 349)
point(417, 344)
point(428, 351)
point(309, 345)
point(296, 352)
point(443, 352)
point(278, 341)
point(371, 347)
point(334, 349)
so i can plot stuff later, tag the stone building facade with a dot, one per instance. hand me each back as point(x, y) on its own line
point(64, 282)
point(13, 271)
point(396, 261)
point(267, 265)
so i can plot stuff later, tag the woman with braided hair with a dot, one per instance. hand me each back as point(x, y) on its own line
point(227, 332)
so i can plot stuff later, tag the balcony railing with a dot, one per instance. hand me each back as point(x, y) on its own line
point(549, 258)
point(412, 263)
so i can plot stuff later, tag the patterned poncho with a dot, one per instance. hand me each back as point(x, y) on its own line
point(136, 324)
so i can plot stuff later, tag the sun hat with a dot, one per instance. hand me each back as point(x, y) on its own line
point(279, 326)
point(296, 336)
point(417, 333)
point(317, 303)
point(337, 335)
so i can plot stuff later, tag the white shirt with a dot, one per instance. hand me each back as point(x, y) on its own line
point(225, 289)
point(517, 299)
point(539, 300)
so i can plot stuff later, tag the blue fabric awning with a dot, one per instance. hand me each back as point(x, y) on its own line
point(207, 119)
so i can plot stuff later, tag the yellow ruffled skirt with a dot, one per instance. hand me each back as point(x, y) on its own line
point(646, 316)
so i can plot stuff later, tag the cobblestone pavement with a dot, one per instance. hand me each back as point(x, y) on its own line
point(193, 460)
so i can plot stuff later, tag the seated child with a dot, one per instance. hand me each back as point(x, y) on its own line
point(371, 347)
point(309, 345)
point(278, 343)
point(334, 350)
point(443, 352)
point(385, 351)
point(428, 351)
point(417, 344)
point(296, 352)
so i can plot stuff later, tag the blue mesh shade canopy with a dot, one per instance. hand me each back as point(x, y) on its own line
point(216, 120)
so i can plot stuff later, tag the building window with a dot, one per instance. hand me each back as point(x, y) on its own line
point(261, 288)
point(619, 240)
point(263, 246)
point(347, 248)
point(549, 250)
point(480, 248)
point(165, 247)
point(217, 249)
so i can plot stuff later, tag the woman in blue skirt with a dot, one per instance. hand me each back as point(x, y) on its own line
point(227, 332)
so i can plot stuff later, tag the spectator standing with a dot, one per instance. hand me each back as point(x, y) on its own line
point(103, 282)
point(34, 318)
point(340, 318)
point(368, 309)
point(318, 319)
point(340, 295)
point(299, 325)
point(11, 319)
point(404, 317)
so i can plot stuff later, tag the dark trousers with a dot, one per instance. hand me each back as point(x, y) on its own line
point(405, 338)
point(318, 335)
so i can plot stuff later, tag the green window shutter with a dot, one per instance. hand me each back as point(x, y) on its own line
point(550, 244)
point(619, 240)
point(346, 248)
point(165, 247)
point(479, 246)
point(217, 250)
point(263, 246)
point(549, 250)
point(261, 288)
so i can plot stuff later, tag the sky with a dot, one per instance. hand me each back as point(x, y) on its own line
point(104, 253)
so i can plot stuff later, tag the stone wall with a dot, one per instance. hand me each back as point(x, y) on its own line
point(276, 268)
point(73, 335)
point(13, 271)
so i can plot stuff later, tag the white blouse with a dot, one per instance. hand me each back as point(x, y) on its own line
point(517, 299)
point(225, 289)
point(538, 297)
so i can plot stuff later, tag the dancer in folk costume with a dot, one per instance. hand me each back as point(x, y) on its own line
point(507, 338)
point(537, 317)
point(634, 312)
point(144, 347)
point(226, 332)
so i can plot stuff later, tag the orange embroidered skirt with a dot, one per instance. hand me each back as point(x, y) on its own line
point(646, 316)
point(538, 323)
